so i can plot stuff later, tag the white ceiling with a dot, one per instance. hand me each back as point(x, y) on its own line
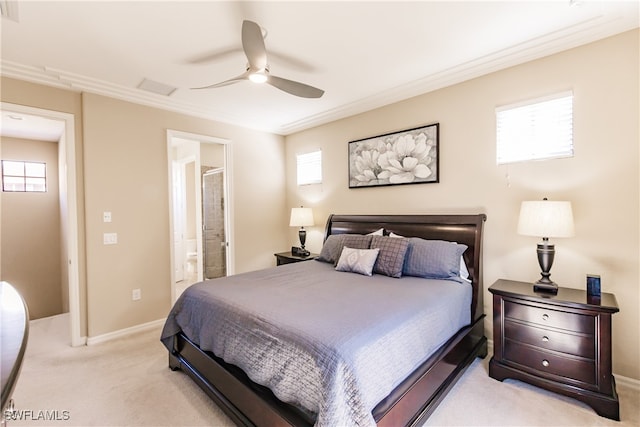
point(363, 54)
point(28, 126)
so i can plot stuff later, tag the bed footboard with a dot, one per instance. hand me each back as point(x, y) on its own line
point(249, 404)
point(245, 402)
point(418, 396)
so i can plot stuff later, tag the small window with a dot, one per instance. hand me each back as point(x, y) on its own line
point(535, 130)
point(309, 168)
point(24, 176)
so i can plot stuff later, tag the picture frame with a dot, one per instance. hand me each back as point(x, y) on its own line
point(405, 157)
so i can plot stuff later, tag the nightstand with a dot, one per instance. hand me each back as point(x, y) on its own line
point(288, 258)
point(561, 342)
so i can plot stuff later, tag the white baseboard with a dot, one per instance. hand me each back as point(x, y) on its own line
point(627, 382)
point(79, 342)
point(124, 332)
point(620, 379)
point(49, 318)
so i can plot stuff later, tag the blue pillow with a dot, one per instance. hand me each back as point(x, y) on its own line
point(332, 247)
point(433, 259)
point(392, 253)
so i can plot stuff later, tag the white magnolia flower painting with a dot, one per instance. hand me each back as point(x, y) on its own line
point(406, 157)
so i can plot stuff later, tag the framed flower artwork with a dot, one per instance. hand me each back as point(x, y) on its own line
point(405, 157)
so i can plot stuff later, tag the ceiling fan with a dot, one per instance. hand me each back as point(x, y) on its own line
point(258, 67)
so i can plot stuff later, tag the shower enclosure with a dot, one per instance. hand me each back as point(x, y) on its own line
point(214, 242)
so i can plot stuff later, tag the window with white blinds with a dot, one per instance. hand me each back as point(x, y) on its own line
point(21, 176)
point(535, 130)
point(309, 168)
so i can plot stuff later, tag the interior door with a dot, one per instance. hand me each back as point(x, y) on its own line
point(214, 242)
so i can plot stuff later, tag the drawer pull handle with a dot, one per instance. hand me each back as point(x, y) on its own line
point(545, 363)
point(545, 317)
point(545, 339)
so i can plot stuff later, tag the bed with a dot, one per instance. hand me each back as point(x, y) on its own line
point(307, 352)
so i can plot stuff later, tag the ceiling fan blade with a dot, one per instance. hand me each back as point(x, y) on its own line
point(253, 45)
point(217, 55)
point(295, 88)
point(243, 76)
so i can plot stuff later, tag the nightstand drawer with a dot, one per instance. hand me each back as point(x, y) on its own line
point(579, 345)
point(550, 318)
point(560, 342)
point(583, 370)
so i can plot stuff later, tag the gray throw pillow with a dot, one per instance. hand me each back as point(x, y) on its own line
point(332, 247)
point(392, 253)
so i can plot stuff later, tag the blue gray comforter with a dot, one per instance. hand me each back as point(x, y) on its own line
point(331, 343)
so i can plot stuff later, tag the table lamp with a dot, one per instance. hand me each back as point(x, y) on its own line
point(546, 219)
point(301, 217)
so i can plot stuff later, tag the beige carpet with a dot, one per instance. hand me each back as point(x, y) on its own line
point(126, 382)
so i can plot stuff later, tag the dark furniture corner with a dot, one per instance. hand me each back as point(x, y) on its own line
point(561, 342)
point(14, 332)
point(288, 258)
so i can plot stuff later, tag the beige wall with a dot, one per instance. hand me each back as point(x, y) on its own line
point(601, 180)
point(126, 173)
point(190, 196)
point(124, 170)
point(49, 98)
point(31, 245)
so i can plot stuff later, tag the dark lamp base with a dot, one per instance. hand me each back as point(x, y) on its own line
point(550, 288)
point(546, 252)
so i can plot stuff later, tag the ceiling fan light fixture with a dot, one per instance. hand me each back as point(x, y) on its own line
point(258, 76)
point(257, 69)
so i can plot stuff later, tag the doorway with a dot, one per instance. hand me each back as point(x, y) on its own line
point(200, 193)
point(68, 206)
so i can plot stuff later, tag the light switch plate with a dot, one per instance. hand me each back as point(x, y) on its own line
point(110, 238)
point(106, 216)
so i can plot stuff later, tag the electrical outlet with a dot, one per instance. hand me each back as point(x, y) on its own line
point(136, 294)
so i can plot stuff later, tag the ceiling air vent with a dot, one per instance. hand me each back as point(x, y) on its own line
point(9, 9)
point(156, 87)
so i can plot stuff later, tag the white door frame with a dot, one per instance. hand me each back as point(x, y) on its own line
point(228, 196)
point(67, 159)
point(178, 205)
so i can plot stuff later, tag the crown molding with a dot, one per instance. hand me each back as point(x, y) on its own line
point(580, 34)
point(590, 30)
point(53, 77)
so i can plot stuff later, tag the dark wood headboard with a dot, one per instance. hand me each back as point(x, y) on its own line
point(465, 229)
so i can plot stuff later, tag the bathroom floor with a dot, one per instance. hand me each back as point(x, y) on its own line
point(189, 280)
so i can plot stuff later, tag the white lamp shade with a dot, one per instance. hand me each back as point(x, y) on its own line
point(546, 218)
point(301, 217)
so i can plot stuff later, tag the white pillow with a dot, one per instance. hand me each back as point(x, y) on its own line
point(379, 232)
point(464, 273)
point(359, 261)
